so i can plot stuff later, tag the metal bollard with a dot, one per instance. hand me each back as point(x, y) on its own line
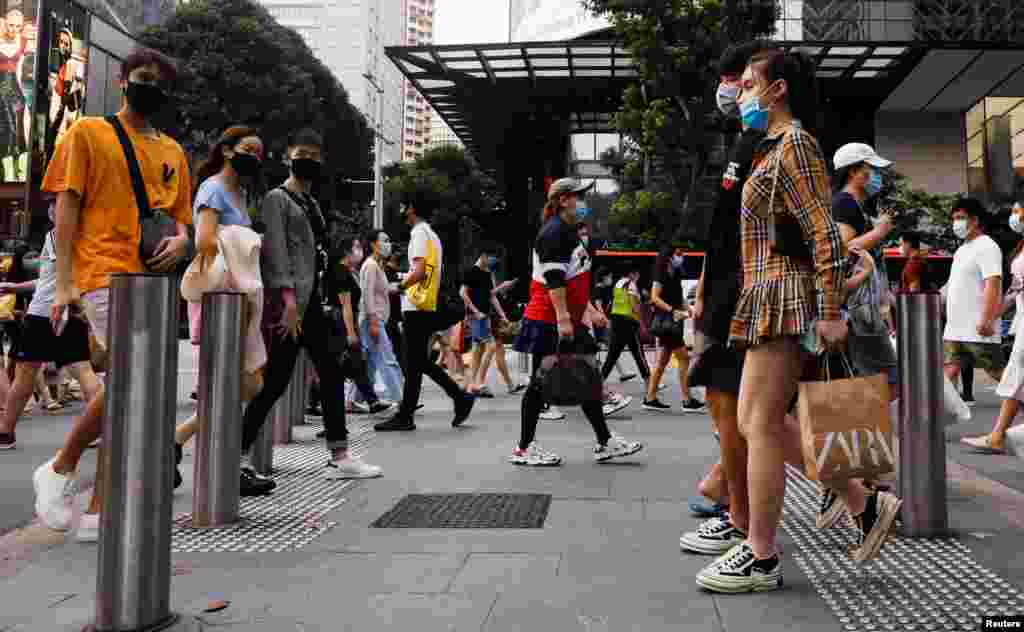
point(300, 388)
point(922, 438)
point(219, 441)
point(283, 414)
point(133, 581)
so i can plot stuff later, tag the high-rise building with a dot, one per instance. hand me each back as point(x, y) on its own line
point(349, 37)
point(440, 134)
point(417, 29)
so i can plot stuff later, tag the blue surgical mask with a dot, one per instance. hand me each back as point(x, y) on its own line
point(492, 263)
point(677, 261)
point(582, 213)
point(1016, 225)
point(725, 98)
point(874, 183)
point(753, 115)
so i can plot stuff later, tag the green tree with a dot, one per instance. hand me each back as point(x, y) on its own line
point(468, 200)
point(237, 64)
point(669, 114)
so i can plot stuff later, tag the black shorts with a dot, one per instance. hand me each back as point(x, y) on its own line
point(38, 342)
point(719, 368)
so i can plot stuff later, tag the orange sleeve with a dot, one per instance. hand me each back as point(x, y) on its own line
point(181, 210)
point(69, 169)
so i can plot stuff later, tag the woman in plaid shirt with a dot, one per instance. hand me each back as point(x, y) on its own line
point(785, 297)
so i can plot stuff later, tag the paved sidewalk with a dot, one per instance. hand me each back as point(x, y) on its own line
point(607, 558)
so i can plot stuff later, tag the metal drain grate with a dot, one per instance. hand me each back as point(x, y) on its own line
point(288, 519)
point(915, 584)
point(467, 511)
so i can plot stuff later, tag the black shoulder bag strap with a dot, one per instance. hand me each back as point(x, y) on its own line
point(141, 197)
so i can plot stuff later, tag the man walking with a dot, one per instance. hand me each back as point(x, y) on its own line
point(293, 262)
point(973, 295)
point(422, 287)
point(97, 234)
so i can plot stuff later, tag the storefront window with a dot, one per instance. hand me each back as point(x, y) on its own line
point(994, 131)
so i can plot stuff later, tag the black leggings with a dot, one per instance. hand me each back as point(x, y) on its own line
point(533, 404)
point(625, 332)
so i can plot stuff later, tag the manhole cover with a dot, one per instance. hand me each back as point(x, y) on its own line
point(467, 511)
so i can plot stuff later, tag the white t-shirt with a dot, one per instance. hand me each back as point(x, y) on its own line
point(422, 234)
point(46, 285)
point(975, 261)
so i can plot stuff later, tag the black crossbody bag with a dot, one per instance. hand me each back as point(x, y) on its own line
point(155, 224)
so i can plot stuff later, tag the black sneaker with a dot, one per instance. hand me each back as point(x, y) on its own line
point(738, 571)
point(398, 422)
point(314, 411)
point(831, 510)
point(194, 396)
point(627, 377)
point(875, 524)
point(656, 404)
point(381, 409)
point(321, 434)
point(250, 485)
point(177, 462)
point(694, 406)
point(7, 441)
point(462, 410)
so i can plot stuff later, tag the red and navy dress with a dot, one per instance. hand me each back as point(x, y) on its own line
point(559, 260)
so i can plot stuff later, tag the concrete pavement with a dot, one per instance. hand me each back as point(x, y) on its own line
point(607, 558)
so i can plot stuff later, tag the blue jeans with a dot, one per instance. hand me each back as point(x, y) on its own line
point(380, 357)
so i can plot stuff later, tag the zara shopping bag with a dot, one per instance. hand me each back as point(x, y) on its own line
point(845, 430)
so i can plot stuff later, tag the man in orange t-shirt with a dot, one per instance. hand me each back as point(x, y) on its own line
point(97, 234)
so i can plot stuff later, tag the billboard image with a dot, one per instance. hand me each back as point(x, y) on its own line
point(17, 61)
point(62, 95)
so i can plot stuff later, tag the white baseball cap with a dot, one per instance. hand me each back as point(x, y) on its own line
point(853, 153)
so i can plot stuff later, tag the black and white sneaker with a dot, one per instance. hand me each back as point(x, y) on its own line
point(875, 524)
point(831, 510)
point(713, 537)
point(694, 406)
point(738, 571)
point(656, 404)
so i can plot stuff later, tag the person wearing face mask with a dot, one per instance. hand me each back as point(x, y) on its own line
point(375, 315)
point(478, 295)
point(97, 234)
point(226, 189)
point(422, 317)
point(1011, 386)
point(294, 261)
point(782, 298)
point(667, 297)
point(719, 366)
point(973, 296)
point(553, 321)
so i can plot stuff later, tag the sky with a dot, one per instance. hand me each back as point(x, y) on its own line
point(470, 21)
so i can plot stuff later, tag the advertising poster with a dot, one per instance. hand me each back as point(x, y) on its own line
point(18, 35)
point(62, 96)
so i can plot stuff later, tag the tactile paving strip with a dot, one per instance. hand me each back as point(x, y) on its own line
point(914, 584)
point(289, 518)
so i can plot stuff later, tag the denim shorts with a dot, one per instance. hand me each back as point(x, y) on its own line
point(480, 330)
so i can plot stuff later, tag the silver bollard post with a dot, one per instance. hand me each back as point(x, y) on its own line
point(922, 438)
point(219, 441)
point(300, 388)
point(133, 584)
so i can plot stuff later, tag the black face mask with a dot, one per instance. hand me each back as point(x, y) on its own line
point(145, 98)
point(245, 165)
point(307, 169)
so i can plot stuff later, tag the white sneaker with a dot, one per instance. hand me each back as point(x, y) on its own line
point(712, 537)
point(53, 493)
point(535, 456)
point(617, 447)
point(620, 403)
point(88, 528)
point(552, 414)
point(351, 467)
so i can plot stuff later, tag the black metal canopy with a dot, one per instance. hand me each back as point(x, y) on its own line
point(501, 98)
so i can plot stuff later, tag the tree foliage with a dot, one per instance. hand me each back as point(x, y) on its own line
point(467, 198)
point(237, 64)
point(668, 116)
